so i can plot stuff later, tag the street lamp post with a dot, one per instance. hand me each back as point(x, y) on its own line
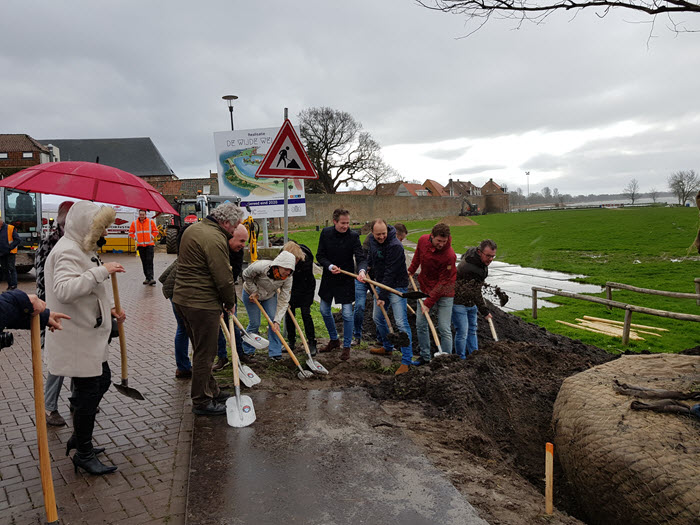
point(527, 174)
point(230, 99)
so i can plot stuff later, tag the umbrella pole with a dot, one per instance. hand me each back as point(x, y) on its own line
point(40, 412)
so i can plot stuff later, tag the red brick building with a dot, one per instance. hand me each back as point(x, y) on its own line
point(19, 151)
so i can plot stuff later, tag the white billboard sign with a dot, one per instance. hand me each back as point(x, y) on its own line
point(238, 155)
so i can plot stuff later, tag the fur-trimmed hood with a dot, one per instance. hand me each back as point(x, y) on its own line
point(85, 223)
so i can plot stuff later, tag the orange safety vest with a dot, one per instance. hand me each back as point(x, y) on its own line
point(10, 231)
point(143, 232)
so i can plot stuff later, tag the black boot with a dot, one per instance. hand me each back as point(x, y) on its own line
point(90, 463)
point(73, 443)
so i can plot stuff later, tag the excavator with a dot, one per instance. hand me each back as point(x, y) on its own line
point(469, 209)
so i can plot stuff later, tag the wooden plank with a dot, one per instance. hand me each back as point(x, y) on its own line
point(610, 321)
point(580, 327)
point(613, 330)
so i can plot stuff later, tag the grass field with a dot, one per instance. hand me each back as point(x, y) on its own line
point(644, 247)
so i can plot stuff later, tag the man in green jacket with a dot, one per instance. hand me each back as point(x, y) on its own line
point(203, 287)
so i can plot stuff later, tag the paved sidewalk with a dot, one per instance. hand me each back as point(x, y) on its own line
point(148, 440)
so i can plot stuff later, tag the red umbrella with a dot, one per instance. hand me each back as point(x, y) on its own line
point(89, 181)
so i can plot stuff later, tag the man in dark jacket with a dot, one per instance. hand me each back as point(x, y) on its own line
point(9, 240)
point(338, 248)
point(302, 297)
point(471, 274)
point(388, 261)
point(437, 259)
point(203, 286)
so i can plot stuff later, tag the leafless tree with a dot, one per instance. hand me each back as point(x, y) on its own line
point(631, 191)
point(536, 11)
point(683, 184)
point(380, 174)
point(653, 194)
point(338, 148)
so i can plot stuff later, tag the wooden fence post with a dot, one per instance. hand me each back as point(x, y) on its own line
point(549, 479)
point(697, 289)
point(608, 294)
point(534, 303)
point(628, 326)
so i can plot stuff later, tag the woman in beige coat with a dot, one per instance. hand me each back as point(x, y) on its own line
point(76, 283)
point(262, 280)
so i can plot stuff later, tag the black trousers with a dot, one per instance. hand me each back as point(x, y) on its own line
point(85, 398)
point(146, 254)
point(309, 329)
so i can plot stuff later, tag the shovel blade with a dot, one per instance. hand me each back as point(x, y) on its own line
point(240, 415)
point(129, 392)
point(315, 366)
point(414, 295)
point(254, 340)
point(248, 377)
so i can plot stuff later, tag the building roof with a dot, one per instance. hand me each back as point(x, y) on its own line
point(388, 188)
point(460, 188)
point(20, 142)
point(435, 188)
point(138, 156)
point(492, 185)
point(412, 188)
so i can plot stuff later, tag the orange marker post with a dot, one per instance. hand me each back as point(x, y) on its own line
point(549, 482)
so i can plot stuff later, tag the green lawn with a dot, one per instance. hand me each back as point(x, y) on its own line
point(646, 247)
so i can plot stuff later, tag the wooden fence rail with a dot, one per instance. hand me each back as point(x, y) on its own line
point(629, 308)
point(679, 295)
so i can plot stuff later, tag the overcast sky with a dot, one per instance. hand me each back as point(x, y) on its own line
point(582, 103)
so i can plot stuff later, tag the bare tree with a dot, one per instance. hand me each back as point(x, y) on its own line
point(537, 11)
point(338, 148)
point(631, 191)
point(653, 194)
point(683, 184)
point(547, 194)
point(380, 174)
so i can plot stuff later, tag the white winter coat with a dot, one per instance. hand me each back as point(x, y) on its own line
point(76, 284)
point(257, 280)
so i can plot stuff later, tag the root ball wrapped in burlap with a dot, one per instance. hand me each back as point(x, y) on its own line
point(626, 466)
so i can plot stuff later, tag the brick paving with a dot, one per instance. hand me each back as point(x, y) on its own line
point(148, 440)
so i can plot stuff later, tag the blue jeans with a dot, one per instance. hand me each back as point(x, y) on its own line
point(270, 306)
point(361, 290)
point(52, 388)
point(398, 307)
point(464, 319)
point(182, 343)
point(330, 322)
point(443, 328)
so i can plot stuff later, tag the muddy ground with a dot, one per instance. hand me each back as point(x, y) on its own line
point(484, 421)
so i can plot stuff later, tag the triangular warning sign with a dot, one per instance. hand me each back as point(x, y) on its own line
point(286, 158)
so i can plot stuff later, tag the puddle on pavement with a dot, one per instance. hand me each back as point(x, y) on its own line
point(316, 457)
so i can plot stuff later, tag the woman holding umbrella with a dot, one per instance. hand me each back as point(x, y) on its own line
point(76, 283)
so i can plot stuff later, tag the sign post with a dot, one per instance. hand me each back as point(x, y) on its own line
point(288, 151)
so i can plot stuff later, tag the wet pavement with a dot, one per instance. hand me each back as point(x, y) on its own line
point(316, 457)
point(149, 441)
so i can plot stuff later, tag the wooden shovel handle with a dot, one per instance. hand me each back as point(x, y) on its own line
point(381, 306)
point(375, 283)
point(298, 328)
point(41, 434)
point(493, 329)
point(120, 327)
point(427, 316)
point(231, 341)
point(277, 333)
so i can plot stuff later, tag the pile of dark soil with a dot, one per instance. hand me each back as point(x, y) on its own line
point(498, 402)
